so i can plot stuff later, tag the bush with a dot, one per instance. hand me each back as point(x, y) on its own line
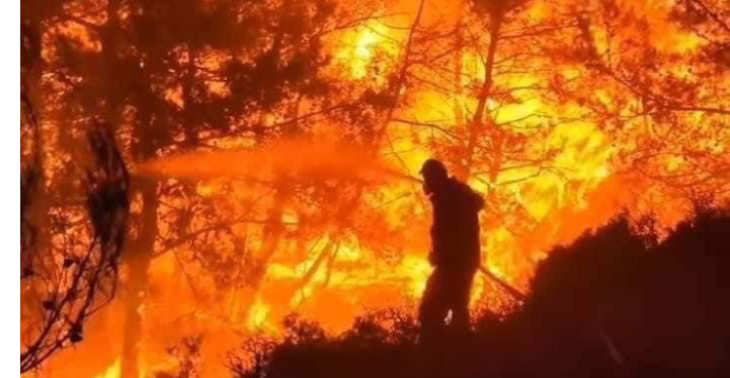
point(613, 303)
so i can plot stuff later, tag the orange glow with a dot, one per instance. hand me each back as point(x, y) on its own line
point(327, 228)
point(113, 371)
point(366, 49)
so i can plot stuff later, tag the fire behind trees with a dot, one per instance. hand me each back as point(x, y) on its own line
point(63, 286)
point(563, 113)
point(65, 283)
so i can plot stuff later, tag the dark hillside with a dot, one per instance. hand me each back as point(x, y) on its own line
point(609, 305)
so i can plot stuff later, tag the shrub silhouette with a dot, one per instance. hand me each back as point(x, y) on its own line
point(611, 304)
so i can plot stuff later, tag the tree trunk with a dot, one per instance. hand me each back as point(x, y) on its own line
point(138, 259)
point(139, 256)
point(32, 96)
point(189, 106)
point(110, 49)
point(477, 124)
point(458, 84)
point(458, 67)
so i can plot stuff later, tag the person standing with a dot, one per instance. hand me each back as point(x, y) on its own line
point(455, 253)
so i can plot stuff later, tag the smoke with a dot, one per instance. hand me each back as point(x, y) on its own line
point(293, 159)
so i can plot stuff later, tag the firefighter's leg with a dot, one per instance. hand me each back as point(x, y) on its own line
point(433, 308)
point(461, 283)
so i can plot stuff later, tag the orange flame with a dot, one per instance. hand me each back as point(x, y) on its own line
point(561, 207)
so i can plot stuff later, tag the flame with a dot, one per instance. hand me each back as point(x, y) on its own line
point(361, 49)
point(333, 278)
point(113, 371)
point(364, 51)
point(258, 314)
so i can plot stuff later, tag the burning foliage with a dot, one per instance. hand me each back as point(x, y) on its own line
point(66, 288)
point(272, 147)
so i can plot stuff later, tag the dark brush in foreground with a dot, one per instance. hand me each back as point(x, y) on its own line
point(664, 307)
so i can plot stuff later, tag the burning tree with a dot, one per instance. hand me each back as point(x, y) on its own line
point(538, 103)
point(654, 78)
point(524, 99)
point(481, 102)
point(63, 284)
point(204, 76)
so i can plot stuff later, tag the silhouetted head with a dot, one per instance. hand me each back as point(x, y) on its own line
point(435, 175)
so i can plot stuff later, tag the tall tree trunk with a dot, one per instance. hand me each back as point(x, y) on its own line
point(459, 66)
point(110, 49)
point(32, 101)
point(458, 84)
point(476, 128)
point(139, 256)
point(134, 255)
point(138, 261)
point(189, 105)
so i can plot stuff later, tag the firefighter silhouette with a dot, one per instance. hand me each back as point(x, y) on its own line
point(455, 253)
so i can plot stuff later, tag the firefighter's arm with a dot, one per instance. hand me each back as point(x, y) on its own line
point(435, 240)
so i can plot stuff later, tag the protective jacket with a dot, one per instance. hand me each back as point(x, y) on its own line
point(455, 230)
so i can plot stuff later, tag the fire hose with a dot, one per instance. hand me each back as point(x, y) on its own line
point(613, 351)
point(516, 294)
